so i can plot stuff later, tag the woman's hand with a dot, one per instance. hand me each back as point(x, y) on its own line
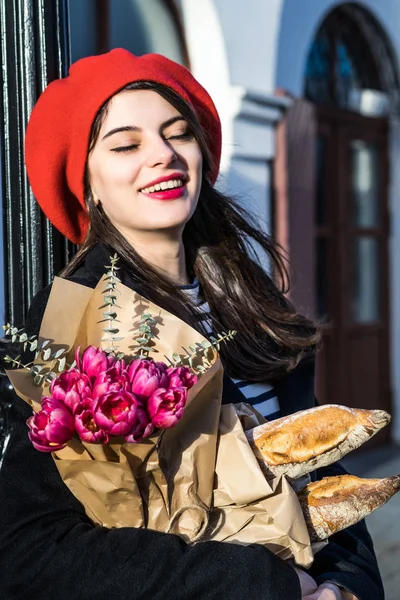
point(307, 583)
point(329, 591)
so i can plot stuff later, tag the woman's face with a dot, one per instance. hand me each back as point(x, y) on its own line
point(146, 166)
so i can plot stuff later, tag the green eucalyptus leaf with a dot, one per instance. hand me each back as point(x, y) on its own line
point(206, 344)
point(145, 329)
point(46, 354)
point(146, 316)
point(38, 379)
point(61, 364)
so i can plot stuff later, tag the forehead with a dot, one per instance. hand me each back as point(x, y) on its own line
point(141, 108)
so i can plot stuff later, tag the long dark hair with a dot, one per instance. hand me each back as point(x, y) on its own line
point(271, 336)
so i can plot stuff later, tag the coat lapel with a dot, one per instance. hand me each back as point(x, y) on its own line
point(231, 392)
point(295, 391)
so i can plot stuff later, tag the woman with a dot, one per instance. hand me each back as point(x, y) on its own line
point(122, 156)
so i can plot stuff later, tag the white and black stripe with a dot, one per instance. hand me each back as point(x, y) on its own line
point(260, 395)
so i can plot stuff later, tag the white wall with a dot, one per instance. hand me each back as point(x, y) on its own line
point(232, 49)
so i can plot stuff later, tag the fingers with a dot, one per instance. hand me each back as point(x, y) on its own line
point(326, 591)
point(307, 583)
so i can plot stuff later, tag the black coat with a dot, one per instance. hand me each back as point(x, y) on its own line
point(50, 549)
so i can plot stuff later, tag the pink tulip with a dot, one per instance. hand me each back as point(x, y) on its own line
point(71, 387)
point(115, 379)
point(143, 426)
point(181, 377)
point(52, 427)
point(93, 361)
point(116, 412)
point(87, 428)
point(146, 376)
point(166, 407)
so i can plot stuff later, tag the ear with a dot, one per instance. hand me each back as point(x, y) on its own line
point(96, 199)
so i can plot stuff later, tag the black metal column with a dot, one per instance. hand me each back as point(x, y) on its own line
point(34, 50)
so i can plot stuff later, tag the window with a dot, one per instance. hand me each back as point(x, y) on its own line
point(340, 63)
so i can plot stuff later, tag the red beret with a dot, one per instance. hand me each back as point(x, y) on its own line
point(57, 136)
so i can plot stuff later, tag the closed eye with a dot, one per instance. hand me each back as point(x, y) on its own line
point(125, 148)
point(183, 136)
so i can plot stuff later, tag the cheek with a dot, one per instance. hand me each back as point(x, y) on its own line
point(112, 175)
point(195, 162)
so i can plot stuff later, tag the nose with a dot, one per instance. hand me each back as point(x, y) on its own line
point(159, 152)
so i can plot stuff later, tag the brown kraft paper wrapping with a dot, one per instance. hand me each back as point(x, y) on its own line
point(198, 479)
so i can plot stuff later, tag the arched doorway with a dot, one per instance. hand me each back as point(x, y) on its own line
point(351, 80)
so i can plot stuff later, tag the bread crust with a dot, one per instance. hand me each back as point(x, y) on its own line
point(304, 441)
point(335, 503)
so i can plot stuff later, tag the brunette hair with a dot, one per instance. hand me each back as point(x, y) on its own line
point(271, 336)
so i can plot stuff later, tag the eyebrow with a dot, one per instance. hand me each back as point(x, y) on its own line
point(134, 128)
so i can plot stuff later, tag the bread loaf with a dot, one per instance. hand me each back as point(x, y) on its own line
point(335, 503)
point(313, 438)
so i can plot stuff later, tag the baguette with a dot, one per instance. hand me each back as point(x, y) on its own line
point(304, 441)
point(335, 503)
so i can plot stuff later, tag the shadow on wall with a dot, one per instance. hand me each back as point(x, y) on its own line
point(140, 26)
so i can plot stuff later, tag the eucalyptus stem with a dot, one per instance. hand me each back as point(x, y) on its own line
point(145, 337)
point(110, 304)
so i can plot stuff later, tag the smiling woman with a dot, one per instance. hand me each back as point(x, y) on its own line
point(132, 171)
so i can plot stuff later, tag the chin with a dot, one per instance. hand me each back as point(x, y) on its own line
point(167, 224)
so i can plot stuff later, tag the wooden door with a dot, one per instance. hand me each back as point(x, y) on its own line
point(351, 249)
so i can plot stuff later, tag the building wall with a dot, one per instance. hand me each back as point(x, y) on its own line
point(236, 65)
point(242, 56)
point(298, 25)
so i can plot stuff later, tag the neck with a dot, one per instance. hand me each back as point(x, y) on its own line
point(165, 253)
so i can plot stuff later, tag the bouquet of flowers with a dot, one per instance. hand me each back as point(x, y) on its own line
point(127, 398)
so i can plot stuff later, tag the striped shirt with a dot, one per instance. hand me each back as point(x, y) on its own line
point(260, 395)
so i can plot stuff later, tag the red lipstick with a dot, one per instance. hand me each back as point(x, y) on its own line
point(168, 194)
point(166, 178)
